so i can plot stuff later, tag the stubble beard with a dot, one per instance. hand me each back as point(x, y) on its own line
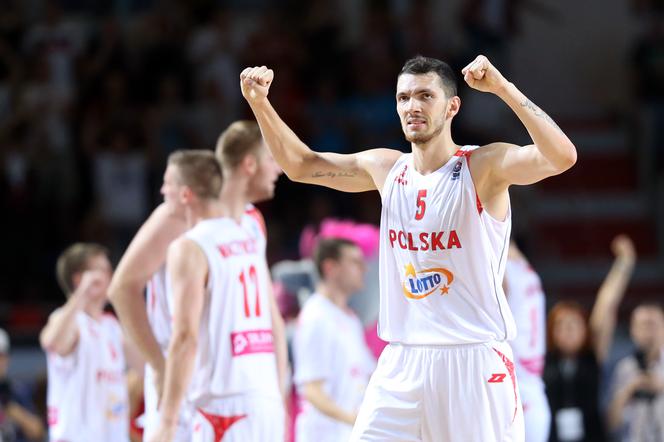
point(424, 138)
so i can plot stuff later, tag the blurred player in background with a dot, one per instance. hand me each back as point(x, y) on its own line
point(87, 388)
point(248, 169)
point(221, 356)
point(332, 361)
point(525, 296)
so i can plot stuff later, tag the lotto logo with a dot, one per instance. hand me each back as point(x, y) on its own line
point(497, 378)
point(422, 283)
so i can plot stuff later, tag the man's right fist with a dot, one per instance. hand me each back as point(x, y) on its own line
point(255, 82)
point(622, 246)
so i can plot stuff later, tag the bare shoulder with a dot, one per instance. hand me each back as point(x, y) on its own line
point(493, 150)
point(184, 251)
point(378, 163)
point(55, 313)
point(182, 245)
point(379, 158)
point(486, 157)
point(166, 219)
point(147, 250)
point(186, 261)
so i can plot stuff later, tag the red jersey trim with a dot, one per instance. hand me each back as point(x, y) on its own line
point(258, 216)
point(467, 154)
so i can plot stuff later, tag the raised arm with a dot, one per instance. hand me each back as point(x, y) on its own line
point(551, 153)
point(144, 256)
point(187, 269)
point(357, 172)
point(605, 309)
point(60, 335)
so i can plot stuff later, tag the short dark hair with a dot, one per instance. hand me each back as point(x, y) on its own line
point(329, 248)
point(420, 65)
point(75, 260)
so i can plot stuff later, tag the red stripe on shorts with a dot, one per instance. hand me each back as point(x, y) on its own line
point(510, 369)
point(220, 424)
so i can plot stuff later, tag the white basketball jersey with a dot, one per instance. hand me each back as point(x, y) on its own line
point(235, 349)
point(442, 258)
point(329, 345)
point(87, 391)
point(527, 302)
point(158, 310)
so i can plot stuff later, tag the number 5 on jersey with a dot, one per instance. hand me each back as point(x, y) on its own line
point(421, 204)
point(246, 279)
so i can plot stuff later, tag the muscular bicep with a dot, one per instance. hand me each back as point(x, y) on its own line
point(519, 165)
point(358, 172)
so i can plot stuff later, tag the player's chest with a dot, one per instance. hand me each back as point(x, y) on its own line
point(426, 204)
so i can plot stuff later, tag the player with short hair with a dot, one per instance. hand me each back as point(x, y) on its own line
point(221, 357)
point(332, 361)
point(448, 372)
point(87, 388)
point(247, 163)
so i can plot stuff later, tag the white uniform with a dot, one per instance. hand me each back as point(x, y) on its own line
point(87, 390)
point(159, 315)
point(329, 345)
point(447, 373)
point(234, 386)
point(526, 299)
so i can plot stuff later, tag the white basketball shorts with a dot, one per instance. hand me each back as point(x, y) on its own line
point(462, 393)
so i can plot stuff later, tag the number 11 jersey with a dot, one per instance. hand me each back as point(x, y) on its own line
point(235, 345)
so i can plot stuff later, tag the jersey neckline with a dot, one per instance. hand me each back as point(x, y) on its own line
point(456, 154)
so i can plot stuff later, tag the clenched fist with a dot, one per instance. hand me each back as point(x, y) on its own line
point(255, 82)
point(623, 247)
point(480, 74)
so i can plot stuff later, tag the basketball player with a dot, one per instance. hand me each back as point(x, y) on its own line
point(221, 354)
point(526, 300)
point(331, 359)
point(448, 372)
point(250, 170)
point(87, 390)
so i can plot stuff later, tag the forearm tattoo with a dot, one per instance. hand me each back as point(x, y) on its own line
point(330, 174)
point(539, 113)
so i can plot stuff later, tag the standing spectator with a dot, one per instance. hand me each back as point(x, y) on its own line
point(577, 349)
point(526, 298)
point(637, 405)
point(17, 422)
